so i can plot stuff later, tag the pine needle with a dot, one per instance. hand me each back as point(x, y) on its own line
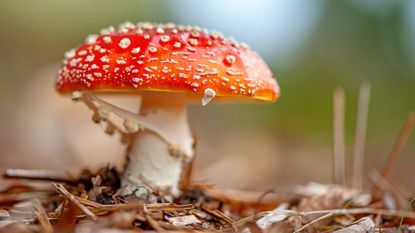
point(399, 145)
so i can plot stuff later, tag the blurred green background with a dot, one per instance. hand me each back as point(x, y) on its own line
point(311, 46)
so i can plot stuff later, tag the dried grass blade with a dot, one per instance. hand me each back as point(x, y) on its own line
point(360, 136)
point(42, 216)
point(62, 190)
point(338, 137)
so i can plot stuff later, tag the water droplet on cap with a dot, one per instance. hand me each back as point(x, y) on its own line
point(208, 96)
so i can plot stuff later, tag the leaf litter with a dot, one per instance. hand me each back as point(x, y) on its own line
point(92, 204)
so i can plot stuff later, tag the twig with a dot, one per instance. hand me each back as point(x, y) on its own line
point(338, 128)
point(247, 198)
point(251, 218)
point(272, 218)
point(364, 224)
point(385, 186)
point(328, 215)
point(169, 207)
point(359, 144)
point(50, 175)
point(153, 223)
point(62, 190)
point(398, 146)
point(385, 212)
point(218, 214)
point(42, 216)
point(393, 213)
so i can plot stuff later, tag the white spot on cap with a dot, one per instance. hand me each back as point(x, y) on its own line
point(160, 30)
point(196, 77)
point(91, 39)
point(124, 43)
point(177, 44)
point(153, 49)
point(98, 74)
point(70, 54)
point(75, 61)
point(106, 31)
point(191, 49)
point(226, 79)
point(193, 41)
point(89, 77)
point(105, 59)
point(208, 95)
point(165, 38)
point(165, 69)
point(136, 79)
point(135, 50)
point(89, 58)
point(195, 33)
point(233, 72)
point(120, 61)
point(82, 52)
point(107, 39)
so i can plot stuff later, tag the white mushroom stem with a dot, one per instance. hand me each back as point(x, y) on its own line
point(150, 158)
point(162, 142)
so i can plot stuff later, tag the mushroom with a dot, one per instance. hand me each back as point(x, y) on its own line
point(169, 66)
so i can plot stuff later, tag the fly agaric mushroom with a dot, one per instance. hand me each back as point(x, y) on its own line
point(168, 66)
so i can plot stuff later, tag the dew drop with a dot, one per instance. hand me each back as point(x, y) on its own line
point(208, 96)
point(230, 59)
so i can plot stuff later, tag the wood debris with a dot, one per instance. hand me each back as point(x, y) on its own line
point(362, 225)
point(183, 220)
point(92, 203)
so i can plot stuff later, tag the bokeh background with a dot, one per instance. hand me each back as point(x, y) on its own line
point(311, 46)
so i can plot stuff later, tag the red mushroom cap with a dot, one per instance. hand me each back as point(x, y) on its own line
point(166, 58)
